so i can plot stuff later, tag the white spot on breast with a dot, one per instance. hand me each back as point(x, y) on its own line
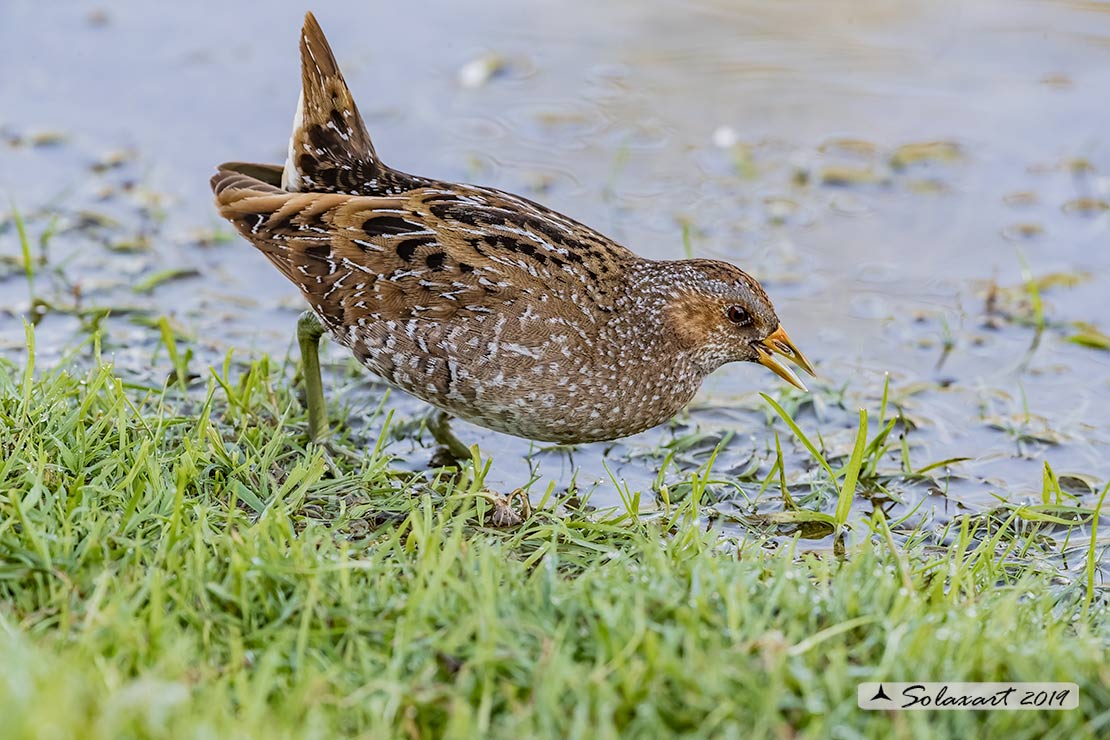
point(520, 349)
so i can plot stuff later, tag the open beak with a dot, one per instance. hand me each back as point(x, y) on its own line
point(778, 343)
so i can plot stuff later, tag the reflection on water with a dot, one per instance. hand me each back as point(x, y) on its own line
point(879, 165)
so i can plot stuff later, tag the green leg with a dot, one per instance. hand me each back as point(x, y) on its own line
point(309, 331)
point(439, 424)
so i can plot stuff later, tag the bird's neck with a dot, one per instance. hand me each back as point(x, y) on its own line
point(641, 355)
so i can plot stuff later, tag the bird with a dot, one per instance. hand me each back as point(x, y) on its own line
point(486, 305)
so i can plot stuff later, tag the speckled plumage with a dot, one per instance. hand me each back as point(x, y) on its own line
point(480, 302)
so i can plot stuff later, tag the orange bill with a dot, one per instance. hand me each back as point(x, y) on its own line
point(778, 343)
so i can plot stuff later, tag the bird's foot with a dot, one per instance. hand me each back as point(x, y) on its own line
point(453, 450)
point(504, 514)
point(333, 452)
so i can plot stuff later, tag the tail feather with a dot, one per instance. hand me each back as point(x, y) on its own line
point(269, 174)
point(283, 226)
point(248, 203)
point(330, 149)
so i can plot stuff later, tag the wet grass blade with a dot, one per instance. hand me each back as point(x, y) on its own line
point(787, 499)
point(687, 240)
point(1090, 337)
point(1092, 563)
point(847, 488)
point(939, 464)
point(800, 435)
point(180, 362)
point(149, 283)
point(25, 250)
point(851, 473)
point(1034, 292)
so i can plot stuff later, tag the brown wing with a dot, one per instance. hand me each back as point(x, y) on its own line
point(429, 254)
point(449, 294)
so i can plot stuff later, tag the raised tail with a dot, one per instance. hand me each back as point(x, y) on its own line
point(293, 230)
point(330, 150)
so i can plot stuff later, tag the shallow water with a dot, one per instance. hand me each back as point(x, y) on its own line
point(877, 165)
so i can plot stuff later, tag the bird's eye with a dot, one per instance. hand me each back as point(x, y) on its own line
point(739, 316)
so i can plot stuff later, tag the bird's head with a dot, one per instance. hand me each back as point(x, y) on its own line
point(721, 314)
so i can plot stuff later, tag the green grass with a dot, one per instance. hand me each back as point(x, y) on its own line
point(178, 564)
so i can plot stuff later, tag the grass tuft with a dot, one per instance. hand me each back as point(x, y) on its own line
point(180, 563)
